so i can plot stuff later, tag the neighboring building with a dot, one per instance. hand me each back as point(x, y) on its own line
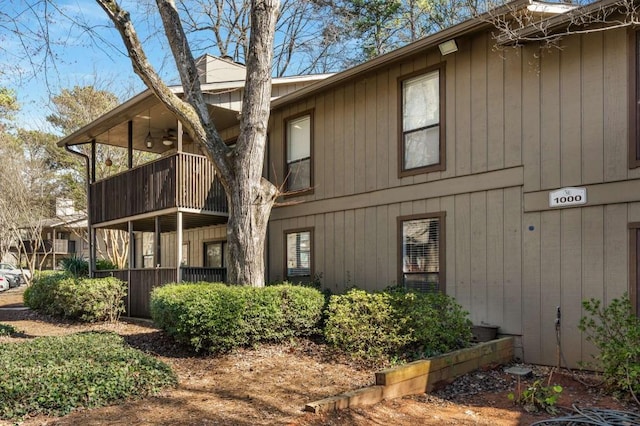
point(64, 235)
point(449, 172)
point(61, 239)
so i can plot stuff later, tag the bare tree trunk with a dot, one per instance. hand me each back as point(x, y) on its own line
point(250, 196)
point(246, 233)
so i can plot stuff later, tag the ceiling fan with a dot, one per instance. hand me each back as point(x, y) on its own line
point(170, 137)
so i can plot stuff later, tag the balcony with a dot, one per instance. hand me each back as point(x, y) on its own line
point(180, 181)
point(57, 246)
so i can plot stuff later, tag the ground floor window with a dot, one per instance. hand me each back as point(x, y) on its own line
point(298, 257)
point(421, 252)
point(215, 254)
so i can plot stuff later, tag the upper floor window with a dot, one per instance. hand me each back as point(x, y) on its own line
point(422, 252)
point(298, 253)
point(422, 138)
point(299, 171)
point(634, 133)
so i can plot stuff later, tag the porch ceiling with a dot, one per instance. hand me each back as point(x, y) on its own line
point(147, 114)
point(168, 222)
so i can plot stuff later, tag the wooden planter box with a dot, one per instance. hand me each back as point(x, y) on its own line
point(420, 376)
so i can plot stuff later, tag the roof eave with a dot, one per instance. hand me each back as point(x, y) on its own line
point(467, 27)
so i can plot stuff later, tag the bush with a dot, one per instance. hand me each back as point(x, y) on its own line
point(85, 299)
point(7, 330)
point(75, 266)
point(40, 295)
point(396, 324)
point(436, 321)
point(105, 265)
point(218, 318)
point(54, 375)
point(615, 331)
point(365, 325)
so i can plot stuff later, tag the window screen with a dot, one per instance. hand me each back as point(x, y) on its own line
point(421, 121)
point(299, 153)
point(214, 255)
point(299, 254)
point(421, 254)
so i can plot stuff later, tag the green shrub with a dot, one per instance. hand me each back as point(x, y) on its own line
point(40, 295)
point(54, 375)
point(437, 323)
point(217, 317)
point(7, 330)
point(615, 331)
point(92, 299)
point(75, 266)
point(396, 324)
point(105, 265)
point(365, 325)
point(85, 299)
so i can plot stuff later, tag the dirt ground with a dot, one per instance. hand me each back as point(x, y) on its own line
point(271, 384)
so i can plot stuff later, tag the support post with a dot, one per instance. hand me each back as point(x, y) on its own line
point(53, 248)
point(130, 145)
point(131, 263)
point(156, 243)
point(180, 132)
point(179, 244)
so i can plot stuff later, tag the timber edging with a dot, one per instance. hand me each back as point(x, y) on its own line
point(420, 376)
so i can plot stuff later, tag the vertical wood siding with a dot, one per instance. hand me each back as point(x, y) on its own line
point(560, 115)
point(359, 247)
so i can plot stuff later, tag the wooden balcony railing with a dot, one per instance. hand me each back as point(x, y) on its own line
point(180, 180)
point(57, 246)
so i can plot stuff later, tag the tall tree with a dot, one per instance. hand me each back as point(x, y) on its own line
point(374, 27)
point(223, 27)
point(8, 106)
point(250, 196)
point(28, 182)
point(71, 110)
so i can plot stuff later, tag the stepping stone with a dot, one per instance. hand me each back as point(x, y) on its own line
point(519, 371)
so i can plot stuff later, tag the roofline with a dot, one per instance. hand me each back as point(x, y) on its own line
point(469, 26)
point(147, 94)
point(555, 21)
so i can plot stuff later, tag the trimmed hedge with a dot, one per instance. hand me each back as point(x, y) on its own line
point(396, 324)
point(84, 299)
point(217, 317)
point(54, 375)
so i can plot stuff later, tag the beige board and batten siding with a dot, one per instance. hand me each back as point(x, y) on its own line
point(356, 124)
point(358, 194)
point(355, 243)
point(195, 239)
point(559, 116)
point(578, 137)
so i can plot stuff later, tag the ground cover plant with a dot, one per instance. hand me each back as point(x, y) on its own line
point(7, 330)
point(81, 298)
point(55, 375)
point(396, 324)
point(219, 317)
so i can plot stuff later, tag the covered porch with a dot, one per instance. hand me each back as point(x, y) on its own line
point(168, 247)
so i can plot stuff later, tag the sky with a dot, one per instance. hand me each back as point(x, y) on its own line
point(84, 49)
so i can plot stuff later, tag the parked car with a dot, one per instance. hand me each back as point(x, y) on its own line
point(4, 282)
point(19, 274)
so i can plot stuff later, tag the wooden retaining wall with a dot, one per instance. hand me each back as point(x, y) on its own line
point(420, 376)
